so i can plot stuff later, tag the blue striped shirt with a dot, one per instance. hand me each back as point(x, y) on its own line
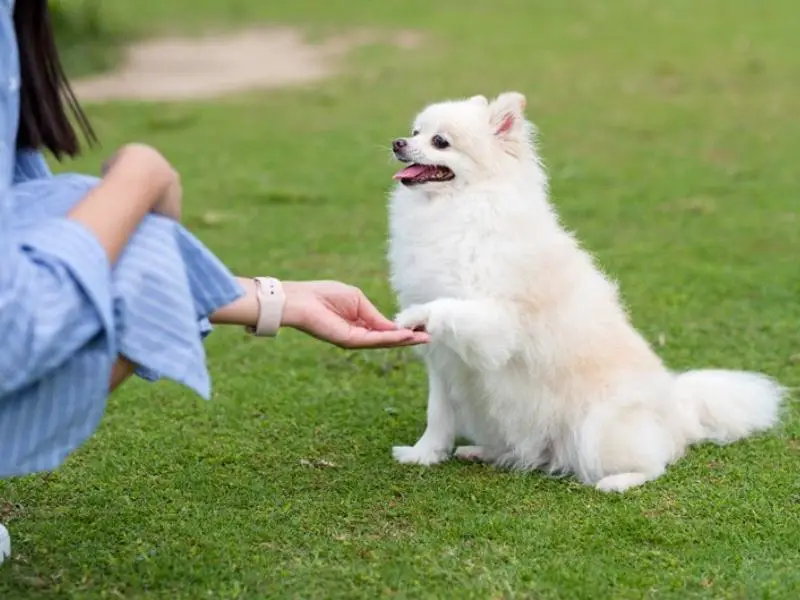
point(66, 314)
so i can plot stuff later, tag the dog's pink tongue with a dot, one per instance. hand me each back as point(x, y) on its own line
point(410, 172)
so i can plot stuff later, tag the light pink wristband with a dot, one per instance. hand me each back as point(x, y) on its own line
point(271, 300)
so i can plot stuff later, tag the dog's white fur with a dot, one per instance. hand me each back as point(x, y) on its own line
point(532, 355)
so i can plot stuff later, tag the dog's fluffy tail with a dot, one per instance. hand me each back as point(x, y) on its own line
point(724, 406)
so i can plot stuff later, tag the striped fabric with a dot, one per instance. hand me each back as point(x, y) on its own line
point(66, 314)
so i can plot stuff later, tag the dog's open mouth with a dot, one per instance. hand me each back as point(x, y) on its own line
point(417, 174)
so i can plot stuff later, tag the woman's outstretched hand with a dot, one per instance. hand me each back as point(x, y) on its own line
point(342, 315)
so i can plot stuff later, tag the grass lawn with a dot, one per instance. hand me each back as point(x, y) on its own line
point(671, 134)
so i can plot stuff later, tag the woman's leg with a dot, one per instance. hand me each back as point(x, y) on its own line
point(123, 369)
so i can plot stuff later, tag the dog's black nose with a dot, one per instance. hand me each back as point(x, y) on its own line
point(399, 144)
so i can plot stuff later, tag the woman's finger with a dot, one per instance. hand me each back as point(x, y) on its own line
point(371, 316)
point(363, 338)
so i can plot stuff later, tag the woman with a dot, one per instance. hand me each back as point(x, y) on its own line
point(97, 278)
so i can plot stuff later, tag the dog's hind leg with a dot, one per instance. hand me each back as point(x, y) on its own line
point(624, 481)
point(482, 454)
point(625, 448)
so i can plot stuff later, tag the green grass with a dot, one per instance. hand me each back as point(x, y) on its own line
point(88, 42)
point(672, 138)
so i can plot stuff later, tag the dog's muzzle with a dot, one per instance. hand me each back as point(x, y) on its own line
point(400, 149)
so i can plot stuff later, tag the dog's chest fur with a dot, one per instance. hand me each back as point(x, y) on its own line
point(441, 248)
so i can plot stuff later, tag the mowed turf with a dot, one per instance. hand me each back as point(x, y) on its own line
point(670, 132)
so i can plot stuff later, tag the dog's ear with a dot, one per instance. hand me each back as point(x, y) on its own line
point(507, 113)
point(480, 100)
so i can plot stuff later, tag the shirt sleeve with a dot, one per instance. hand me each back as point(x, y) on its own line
point(55, 297)
point(30, 165)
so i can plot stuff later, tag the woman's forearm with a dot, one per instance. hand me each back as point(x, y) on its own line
point(113, 210)
point(243, 311)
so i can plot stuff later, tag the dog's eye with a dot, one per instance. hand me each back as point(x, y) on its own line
point(439, 142)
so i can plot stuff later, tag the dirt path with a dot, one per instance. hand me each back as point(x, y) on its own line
point(201, 68)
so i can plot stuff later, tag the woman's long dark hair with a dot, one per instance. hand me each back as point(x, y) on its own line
point(46, 99)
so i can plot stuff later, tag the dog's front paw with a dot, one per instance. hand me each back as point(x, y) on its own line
point(428, 317)
point(419, 455)
point(416, 316)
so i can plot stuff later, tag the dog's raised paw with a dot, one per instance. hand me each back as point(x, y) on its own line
point(416, 455)
point(414, 317)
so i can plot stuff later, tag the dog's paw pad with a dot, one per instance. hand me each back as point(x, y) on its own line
point(415, 455)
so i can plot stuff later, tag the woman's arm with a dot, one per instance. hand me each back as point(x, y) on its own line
point(328, 310)
point(136, 183)
point(55, 279)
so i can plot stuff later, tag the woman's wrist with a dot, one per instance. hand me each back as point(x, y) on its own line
point(271, 298)
point(266, 306)
point(293, 314)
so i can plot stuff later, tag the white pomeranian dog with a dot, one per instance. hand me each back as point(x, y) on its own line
point(532, 356)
